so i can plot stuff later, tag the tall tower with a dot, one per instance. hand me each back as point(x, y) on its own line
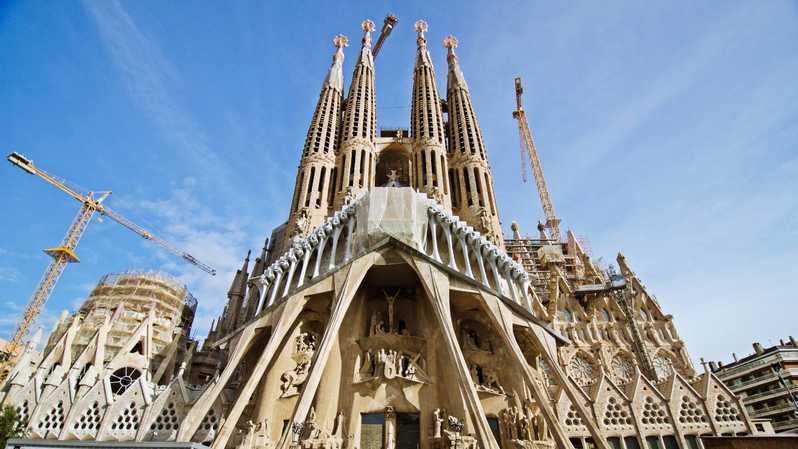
point(472, 181)
point(313, 193)
point(356, 159)
point(427, 131)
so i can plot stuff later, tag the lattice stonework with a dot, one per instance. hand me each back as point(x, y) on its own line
point(572, 419)
point(167, 420)
point(690, 412)
point(23, 410)
point(89, 420)
point(128, 420)
point(54, 419)
point(616, 414)
point(726, 411)
point(654, 413)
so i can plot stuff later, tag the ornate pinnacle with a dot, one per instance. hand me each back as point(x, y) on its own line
point(450, 42)
point(367, 26)
point(421, 28)
point(340, 41)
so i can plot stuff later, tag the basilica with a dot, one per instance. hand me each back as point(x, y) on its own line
point(389, 311)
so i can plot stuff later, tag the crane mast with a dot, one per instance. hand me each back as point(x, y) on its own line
point(528, 144)
point(64, 253)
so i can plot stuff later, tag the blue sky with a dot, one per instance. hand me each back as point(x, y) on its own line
point(667, 130)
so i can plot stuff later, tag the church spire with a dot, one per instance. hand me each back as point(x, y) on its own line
point(427, 131)
point(356, 159)
point(472, 186)
point(315, 177)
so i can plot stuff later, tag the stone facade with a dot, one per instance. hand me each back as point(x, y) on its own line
point(393, 314)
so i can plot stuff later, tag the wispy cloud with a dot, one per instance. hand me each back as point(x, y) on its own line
point(194, 226)
point(9, 274)
point(149, 76)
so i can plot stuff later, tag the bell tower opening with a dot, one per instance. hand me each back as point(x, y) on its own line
point(393, 167)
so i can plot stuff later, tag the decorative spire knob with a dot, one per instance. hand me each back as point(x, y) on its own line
point(421, 28)
point(340, 41)
point(367, 26)
point(450, 42)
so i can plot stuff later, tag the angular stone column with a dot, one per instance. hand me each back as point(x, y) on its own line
point(346, 285)
point(436, 286)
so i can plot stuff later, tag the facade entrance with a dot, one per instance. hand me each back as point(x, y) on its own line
point(389, 429)
point(408, 431)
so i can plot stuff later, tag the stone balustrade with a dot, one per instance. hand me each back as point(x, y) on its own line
point(451, 242)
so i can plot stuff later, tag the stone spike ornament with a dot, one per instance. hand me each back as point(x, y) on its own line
point(388, 311)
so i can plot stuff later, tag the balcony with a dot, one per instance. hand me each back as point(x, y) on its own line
point(770, 394)
point(773, 410)
point(764, 378)
point(781, 426)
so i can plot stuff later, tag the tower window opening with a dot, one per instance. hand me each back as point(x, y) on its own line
point(433, 169)
point(298, 190)
point(333, 180)
point(320, 189)
point(478, 184)
point(489, 191)
point(309, 188)
point(467, 174)
point(352, 168)
point(453, 187)
point(423, 157)
point(362, 167)
point(443, 173)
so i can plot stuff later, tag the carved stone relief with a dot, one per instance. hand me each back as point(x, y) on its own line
point(304, 347)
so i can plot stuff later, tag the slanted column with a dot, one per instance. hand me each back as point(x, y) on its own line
point(433, 221)
point(478, 248)
point(462, 239)
point(307, 249)
point(350, 225)
point(278, 270)
point(263, 286)
point(336, 222)
point(291, 260)
point(323, 233)
point(447, 229)
point(492, 256)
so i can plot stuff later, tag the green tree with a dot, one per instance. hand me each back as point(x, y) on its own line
point(11, 425)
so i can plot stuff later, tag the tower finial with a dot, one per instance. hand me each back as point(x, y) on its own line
point(367, 26)
point(450, 42)
point(340, 41)
point(421, 28)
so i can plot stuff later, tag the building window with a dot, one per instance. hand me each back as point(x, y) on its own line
point(652, 442)
point(670, 442)
point(631, 442)
point(615, 442)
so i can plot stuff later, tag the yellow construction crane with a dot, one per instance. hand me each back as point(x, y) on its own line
point(65, 252)
point(528, 144)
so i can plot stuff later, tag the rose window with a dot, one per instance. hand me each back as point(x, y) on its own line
point(622, 369)
point(123, 378)
point(581, 370)
point(663, 367)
